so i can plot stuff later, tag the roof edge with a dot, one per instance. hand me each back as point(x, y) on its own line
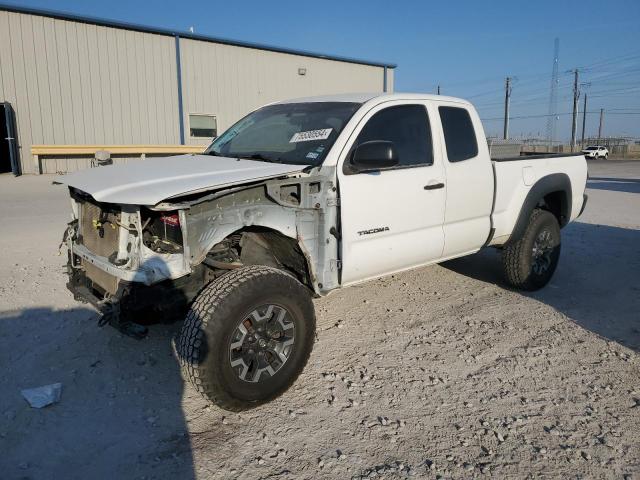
point(188, 35)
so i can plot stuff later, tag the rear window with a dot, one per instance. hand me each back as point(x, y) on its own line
point(459, 134)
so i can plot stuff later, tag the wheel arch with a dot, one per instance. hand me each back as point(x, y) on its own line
point(551, 193)
point(260, 245)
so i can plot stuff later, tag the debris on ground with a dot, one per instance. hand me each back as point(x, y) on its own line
point(40, 397)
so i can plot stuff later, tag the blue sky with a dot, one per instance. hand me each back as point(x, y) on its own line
point(467, 47)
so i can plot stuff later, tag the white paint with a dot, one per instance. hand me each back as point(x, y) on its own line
point(395, 199)
point(528, 176)
point(389, 222)
point(469, 189)
point(148, 183)
point(511, 190)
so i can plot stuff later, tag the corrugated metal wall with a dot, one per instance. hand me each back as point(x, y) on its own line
point(78, 83)
point(229, 81)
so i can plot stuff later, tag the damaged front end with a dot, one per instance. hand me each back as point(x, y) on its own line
point(129, 262)
point(140, 264)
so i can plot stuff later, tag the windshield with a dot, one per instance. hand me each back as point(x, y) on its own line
point(296, 133)
point(592, 148)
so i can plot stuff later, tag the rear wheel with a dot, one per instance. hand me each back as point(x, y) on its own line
point(247, 337)
point(529, 262)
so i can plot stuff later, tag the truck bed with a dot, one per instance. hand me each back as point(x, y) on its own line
point(516, 176)
point(536, 156)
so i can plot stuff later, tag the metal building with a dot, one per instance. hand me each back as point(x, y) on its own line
point(69, 80)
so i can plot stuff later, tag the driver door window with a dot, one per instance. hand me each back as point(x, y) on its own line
point(407, 126)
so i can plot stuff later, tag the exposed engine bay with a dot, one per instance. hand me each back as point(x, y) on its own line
point(125, 259)
point(161, 231)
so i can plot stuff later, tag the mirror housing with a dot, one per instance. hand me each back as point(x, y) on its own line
point(374, 155)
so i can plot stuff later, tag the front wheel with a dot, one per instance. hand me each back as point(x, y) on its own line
point(529, 262)
point(247, 337)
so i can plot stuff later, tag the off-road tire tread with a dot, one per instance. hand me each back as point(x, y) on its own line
point(514, 253)
point(192, 333)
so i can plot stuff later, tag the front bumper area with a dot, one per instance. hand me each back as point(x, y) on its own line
point(109, 307)
point(104, 265)
point(155, 267)
point(133, 303)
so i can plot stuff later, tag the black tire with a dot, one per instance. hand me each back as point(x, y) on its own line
point(204, 346)
point(524, 266)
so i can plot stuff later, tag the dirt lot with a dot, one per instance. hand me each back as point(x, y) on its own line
point(440, 371)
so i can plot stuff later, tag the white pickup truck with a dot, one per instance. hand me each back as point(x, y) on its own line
point(295, 200)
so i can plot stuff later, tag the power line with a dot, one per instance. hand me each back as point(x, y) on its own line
point(619, 89)
point(528, 94)
point(537, 99)
point(544, 115)
point(612, 79)
point(600, 80)
point(533, 78)
point(612, 60)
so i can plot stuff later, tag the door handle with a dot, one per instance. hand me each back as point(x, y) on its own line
point(434, 186)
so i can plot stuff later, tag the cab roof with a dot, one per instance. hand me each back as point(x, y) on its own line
point(380, 97)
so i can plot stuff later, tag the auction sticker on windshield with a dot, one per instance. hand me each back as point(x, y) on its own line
point(311, 135)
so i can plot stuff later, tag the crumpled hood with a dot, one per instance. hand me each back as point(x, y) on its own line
point(150, 181)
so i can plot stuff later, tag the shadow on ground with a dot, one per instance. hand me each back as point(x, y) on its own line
point(597, 283)
point(120, 415)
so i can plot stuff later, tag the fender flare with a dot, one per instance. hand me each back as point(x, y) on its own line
point(556, 182)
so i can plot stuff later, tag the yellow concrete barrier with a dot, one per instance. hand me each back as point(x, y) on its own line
point(62, 150)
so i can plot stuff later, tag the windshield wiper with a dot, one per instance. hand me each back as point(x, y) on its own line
point(259, 156)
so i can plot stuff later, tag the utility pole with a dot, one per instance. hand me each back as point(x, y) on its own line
point(584, 118)
point(507, 96)
point(552, 120)
point(438, 89)
point(574, 121)
point(601, 122)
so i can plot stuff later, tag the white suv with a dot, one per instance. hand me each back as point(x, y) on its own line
point(596, 151)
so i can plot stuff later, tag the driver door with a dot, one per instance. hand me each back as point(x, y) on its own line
point(392, 219)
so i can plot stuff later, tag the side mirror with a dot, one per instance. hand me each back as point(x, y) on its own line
point(374, 155)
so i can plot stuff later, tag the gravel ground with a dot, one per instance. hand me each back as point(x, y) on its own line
point(437, 372)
